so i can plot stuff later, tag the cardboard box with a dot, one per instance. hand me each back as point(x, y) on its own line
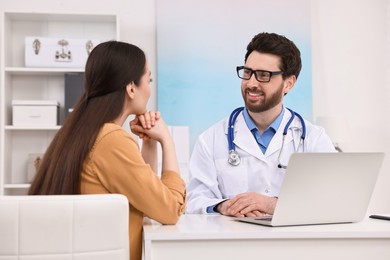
point(35, 113)
point(46, 52)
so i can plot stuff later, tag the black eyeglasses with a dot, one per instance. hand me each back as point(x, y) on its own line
point(260, 75)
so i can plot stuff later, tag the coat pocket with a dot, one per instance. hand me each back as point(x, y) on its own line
point(232, 180)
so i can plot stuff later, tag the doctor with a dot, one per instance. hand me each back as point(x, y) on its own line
point(238, 165)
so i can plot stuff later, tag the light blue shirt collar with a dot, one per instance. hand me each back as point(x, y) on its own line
point(251, 125)
point(264, 140)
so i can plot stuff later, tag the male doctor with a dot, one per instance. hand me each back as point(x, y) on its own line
point(249, 184)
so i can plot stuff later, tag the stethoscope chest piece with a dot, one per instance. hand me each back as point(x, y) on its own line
point(234, 158)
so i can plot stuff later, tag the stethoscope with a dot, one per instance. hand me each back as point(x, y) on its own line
point(234, 157)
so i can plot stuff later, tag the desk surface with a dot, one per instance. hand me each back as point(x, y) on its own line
point(222, 227)
point(197, 237)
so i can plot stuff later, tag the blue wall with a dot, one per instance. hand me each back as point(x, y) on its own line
point(199, 45)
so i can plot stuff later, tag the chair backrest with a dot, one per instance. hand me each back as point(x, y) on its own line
point(64, 227)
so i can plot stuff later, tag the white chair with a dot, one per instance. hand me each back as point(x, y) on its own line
point(61, 227)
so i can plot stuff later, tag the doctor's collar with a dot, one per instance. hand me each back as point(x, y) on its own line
point(251, 125)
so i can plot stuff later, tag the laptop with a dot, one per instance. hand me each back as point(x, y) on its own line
point(324, 188)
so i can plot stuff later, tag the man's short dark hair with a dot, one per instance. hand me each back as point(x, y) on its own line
point(280, 46)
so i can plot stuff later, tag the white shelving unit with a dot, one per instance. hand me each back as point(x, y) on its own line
point(23, 83)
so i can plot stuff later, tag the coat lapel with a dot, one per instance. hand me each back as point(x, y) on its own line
point(243, 138)
point(277, 140)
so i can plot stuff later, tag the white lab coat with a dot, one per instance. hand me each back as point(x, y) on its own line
point(213, 179)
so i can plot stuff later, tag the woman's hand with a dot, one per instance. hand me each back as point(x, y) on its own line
point(142, 122)
point(149, 126)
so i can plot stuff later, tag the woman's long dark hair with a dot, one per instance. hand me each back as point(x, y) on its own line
point(110, 67)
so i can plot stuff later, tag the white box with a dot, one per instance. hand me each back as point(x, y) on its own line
point(57, 52)
point(35, 112)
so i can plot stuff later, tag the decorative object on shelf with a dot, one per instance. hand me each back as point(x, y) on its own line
point(336, 128)
point(89, 46)
point(34, 160)
point(45, 52)
point(36, 46)
point(40, 113)
point(65, 54)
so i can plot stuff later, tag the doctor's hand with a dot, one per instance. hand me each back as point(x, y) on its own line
point(249, 204)
point(224, 209)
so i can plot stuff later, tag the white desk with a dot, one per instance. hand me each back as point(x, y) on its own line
point(201, 237)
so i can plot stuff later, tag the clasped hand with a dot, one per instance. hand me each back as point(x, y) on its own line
point(249, 204)
point(149, 125)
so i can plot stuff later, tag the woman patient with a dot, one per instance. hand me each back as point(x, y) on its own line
point(91, 153)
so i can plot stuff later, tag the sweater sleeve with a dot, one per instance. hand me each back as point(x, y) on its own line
point(118, 163)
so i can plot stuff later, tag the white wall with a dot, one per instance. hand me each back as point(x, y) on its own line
point(350, 68)
point(350, 47)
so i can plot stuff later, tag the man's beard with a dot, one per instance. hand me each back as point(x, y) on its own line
point(266, 104)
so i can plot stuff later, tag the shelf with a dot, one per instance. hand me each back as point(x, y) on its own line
point(62, 17)
point(41, 71)
point(12, 127)
point(19, 82)
point(17, 186)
